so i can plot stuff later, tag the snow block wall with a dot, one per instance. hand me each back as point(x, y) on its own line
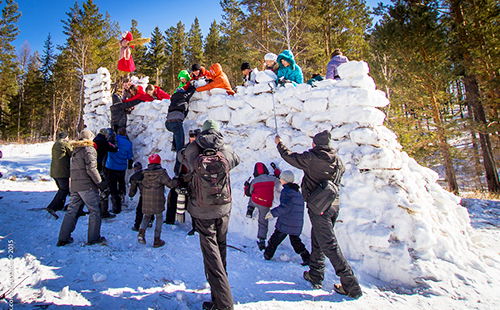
point(395, 222)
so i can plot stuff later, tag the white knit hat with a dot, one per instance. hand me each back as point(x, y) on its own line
point(271, 56)
point(287, 176)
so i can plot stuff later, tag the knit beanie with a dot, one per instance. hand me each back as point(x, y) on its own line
point(245, 65)
point(155, 159)
point(104, 131)
point(287, 176)
point(62, 135)
point(271, 56)
point(195, 67)
point(322, 138)
point(210, 124)
point(86, 135)
point(137, 165)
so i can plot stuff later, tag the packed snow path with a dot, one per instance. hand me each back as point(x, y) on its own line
point(127, 275)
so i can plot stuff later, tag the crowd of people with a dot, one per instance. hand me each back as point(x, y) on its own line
point(96, 167)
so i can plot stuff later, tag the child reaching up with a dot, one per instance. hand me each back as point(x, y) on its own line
point(153, 198)
point(290, 214)
point(261, 193)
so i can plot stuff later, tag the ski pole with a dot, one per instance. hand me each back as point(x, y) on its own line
point(274, 109)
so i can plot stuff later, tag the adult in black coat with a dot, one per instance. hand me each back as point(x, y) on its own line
point(319, 164)
point(119, 111)
point(103, 146)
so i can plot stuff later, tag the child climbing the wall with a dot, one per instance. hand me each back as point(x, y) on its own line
point(261, 193)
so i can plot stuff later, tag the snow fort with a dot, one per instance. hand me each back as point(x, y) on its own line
point(395, 222)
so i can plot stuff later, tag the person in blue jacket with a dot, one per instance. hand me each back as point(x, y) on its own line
point(288, 70)
point(290, 214)
point(116, 166)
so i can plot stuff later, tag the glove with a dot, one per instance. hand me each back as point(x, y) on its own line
point(268, 216)
point(129, 164)
point(247, 183)
point(273, 165)
point(102, 186)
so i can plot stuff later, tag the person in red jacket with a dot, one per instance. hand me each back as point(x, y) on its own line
point(137, 93)
point(220, 80)
point(155, 92)
point(198, 72)
point(261, 193)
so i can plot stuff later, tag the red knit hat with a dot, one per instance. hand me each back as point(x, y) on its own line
point(155, 159)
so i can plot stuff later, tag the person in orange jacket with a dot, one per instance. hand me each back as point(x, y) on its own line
point(220, 80)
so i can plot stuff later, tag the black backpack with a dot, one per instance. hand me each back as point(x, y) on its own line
point(211, 179)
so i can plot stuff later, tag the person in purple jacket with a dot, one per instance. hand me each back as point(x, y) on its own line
point(337, 59)
point(290, 214)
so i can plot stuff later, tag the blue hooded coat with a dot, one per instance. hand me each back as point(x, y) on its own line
point(118, 160)
point(293, 72)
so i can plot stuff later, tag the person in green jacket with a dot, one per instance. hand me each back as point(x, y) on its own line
point(289, 71)
point(59, 171)
point(184, 77)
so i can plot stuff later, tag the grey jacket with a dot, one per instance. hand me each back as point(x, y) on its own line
point(207, 139)
point(84, 174)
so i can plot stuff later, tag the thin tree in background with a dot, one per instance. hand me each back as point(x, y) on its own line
point(48, 59)
point(155, 59)
point(234, 50)
point(176, 46)
point(23, 59)
point(213, 45)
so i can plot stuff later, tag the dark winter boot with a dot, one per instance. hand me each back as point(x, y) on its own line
point(141, 236)
point(191, 232)
point(262, 244)
point(305, 258)
point(63, 243)
point(158, 243)
point(250, 211)
point(308, 278)
point(208, 305)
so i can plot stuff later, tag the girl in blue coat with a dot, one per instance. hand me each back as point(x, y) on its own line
point(288, 69)
point(290, 214)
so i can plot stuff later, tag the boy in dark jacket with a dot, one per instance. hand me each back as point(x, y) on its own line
point(290, 214)
point(153, 202)
point(261, 193)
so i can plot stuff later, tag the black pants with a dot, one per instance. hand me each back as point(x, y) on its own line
point(57, 203)
point(116, 183)
point(276, 240)
point(213, 234)
point(324, 244)
point(171, 207)
point(138, 214)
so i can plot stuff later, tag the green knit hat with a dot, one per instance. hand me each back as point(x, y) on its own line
point(210, 124)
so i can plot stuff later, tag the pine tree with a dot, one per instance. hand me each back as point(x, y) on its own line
point(8, 66)
point(194, 48)
point(213, 45)
point(415, 36)
point(234, 50)
point(155, 59)
point(48, 59)
point(176, 46)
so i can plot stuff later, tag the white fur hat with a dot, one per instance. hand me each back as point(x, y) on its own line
point(271, 56)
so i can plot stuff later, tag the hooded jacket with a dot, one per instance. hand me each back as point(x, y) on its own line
point(119, 111)
point(319, 164)
point(331, 68)
point(140, 94)
point(180, 101)
point(290, 212)
point(203, 74)
point(261, 189)
point(84, 174)
point(103, 146)
point(61, 155)
point(220, 80)
point(214, 140)
point(293, 72)
point(118, 160)
point(183, 74)
point(153, 189)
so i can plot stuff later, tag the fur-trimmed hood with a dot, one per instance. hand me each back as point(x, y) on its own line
point(82, 143)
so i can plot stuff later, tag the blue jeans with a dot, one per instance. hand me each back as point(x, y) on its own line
point(76, 201)
point(178, 130)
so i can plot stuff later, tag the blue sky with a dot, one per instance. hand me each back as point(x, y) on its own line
point(39, 17)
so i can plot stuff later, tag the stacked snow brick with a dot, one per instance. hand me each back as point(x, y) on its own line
point(395, 222)
point(97, 98)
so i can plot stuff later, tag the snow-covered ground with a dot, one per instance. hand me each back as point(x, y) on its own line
point(126, 275)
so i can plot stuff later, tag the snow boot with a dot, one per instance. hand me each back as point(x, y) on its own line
point(53, 213)
point(98, 241)
point(141, 236)
point(308, 278)
point(305, 257)
point(63, 243)
point(340, 290)
point(158, 243)
point(250, 211)
point(191, 232)
point(262, 244)
point(208, 305)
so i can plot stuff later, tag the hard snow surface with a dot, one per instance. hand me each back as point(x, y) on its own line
point(126, 275)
